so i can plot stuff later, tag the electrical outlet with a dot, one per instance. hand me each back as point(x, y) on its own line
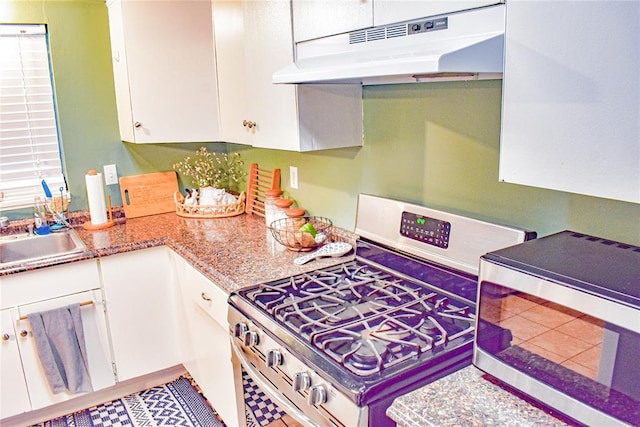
point(110, 174)
point(293, 177)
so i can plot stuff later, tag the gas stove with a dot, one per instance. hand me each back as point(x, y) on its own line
point(336, 345)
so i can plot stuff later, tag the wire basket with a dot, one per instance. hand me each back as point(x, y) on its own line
point(287, 232)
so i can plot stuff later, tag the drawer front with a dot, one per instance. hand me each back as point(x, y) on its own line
point(50, 282)
point(205, 294)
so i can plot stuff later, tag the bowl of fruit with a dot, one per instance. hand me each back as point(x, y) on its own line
point(301, 234)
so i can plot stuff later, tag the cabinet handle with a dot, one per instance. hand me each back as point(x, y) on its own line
point(23, 333)
point(5, 337)
point(137, 125)
point(205, 297)
point(249, 124)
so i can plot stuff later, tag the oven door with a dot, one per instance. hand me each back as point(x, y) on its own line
point(289, 382)
point(569, 349)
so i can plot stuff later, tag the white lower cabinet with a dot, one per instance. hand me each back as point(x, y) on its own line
point(96, 342)
point(23, 384)
point(148, 296)
point(206, 349)
point(13, 388)
point(139, 292)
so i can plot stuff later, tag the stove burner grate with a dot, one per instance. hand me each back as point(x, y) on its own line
point(366, 319)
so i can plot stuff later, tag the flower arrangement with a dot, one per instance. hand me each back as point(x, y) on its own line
point(218, 170)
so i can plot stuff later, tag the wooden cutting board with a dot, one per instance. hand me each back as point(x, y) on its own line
point(148, 194)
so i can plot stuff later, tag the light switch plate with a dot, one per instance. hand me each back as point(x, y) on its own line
point(293, 177)
point(110, 174)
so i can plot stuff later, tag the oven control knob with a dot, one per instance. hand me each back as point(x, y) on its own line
point(274, 358)
point(239, 329)
point(251, 338)
point(301, 382)
point(317, 395)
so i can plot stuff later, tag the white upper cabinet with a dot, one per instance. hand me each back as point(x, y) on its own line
point(319, 18)
point(164, 70)
point(253, 39)
point(390, 11)
point(571, 103)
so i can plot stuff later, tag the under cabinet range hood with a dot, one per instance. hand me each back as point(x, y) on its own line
point(467, 45)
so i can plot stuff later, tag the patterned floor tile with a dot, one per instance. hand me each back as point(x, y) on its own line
point(263, 409)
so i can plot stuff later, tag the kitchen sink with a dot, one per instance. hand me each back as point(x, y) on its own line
point(25, 248)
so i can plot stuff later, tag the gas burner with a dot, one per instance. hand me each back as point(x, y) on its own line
point(367, 352)
point(429, 326)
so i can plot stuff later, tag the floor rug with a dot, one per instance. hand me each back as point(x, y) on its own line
point(176, 403)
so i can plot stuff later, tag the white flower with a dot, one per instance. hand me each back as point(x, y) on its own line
point(219, 170)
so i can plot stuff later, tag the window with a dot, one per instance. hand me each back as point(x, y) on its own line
point(29, 143)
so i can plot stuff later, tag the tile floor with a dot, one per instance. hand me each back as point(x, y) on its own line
point(555, 332)
point(265, 412)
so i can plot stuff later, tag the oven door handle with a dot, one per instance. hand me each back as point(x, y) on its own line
point(270, 390)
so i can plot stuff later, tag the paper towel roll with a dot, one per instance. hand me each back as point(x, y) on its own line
point(95, 195)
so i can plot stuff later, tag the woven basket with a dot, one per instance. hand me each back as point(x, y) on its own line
point(208, 211)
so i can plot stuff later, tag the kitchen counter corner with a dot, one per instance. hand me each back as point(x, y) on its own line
point(467, 398)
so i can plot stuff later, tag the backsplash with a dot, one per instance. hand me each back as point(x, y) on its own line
point(434, 144)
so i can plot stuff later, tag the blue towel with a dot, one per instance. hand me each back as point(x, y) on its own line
point(59, 339)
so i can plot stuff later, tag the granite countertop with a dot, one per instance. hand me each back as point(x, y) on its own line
point(233, 252)
point(240, 251)
point(469, 397)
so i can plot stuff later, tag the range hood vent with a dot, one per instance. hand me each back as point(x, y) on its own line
point(466, 45)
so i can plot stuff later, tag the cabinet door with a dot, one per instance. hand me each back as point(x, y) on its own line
point(206, 351)
point(268, 47)
point(164, 70)
point(391, 11)
point(228, 17)
point(570, 97)
point(253, 41)
point(139, 289)
point(320, 18)
point(13, 388)
point(96, 342)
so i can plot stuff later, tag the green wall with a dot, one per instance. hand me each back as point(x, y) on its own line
point(434, 144)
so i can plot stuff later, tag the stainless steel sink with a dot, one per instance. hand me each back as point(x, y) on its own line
point(22, 249)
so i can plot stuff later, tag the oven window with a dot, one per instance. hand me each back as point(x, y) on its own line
point(578, 354)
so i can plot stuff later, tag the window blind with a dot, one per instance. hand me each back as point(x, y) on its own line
point(29, 143)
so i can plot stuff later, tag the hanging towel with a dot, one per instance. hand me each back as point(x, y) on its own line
point(59, 339)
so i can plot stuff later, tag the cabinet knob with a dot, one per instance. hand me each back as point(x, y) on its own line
point(205, 297)
point(248, 124)
point(5, 337)
point(317, 395)
point(137, 125)
point(23, 333)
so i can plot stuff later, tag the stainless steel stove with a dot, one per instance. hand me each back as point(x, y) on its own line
point(335, 346)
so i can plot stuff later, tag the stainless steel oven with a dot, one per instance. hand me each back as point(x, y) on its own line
point(559, 319)
point(335, 346)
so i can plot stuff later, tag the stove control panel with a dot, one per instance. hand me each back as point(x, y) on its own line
point(424, 229)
